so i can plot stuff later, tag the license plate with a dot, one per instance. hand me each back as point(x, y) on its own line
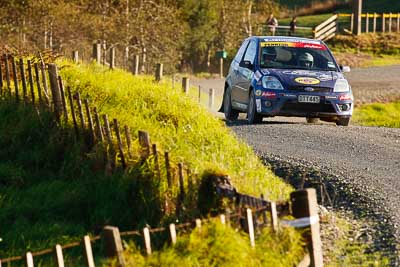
point(308, 99)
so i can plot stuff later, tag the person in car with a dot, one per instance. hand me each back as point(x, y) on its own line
point(306, 60)
point(268, 58)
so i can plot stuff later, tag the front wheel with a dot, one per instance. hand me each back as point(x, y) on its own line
point(229, 112)
point(343, 122)
point(252, 116)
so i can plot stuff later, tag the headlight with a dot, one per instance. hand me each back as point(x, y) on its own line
point(271, 82)
point(341, 85)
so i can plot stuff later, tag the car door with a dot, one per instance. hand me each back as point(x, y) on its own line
point(234, 73)
point(245, 73)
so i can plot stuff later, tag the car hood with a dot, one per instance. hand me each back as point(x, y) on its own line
point(298, 77)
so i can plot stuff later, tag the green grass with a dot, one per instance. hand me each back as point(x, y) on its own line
point(219, 245)
point(384, 115)
point(307, 21)
point(382, 60)
point(53, 190)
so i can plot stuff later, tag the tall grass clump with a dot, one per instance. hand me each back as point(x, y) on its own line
point(378, 114)
point(215, 244)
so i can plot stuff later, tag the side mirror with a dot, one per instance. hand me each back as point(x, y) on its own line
point(344, 68)
point(246, 64)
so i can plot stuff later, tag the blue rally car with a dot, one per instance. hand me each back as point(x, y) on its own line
point(287, 76)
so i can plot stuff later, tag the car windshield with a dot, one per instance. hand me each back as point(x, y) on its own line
point(296, 55)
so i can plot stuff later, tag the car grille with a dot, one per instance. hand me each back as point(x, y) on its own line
point(316, 89)
point(305, 107)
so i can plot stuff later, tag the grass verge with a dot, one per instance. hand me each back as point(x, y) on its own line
point(55, 191)
point(379, 114)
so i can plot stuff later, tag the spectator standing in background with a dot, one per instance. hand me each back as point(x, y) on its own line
point(293, 26)
point(272, 22)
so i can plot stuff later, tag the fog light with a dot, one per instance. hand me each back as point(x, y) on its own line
point(344, 107)
point(268, 104)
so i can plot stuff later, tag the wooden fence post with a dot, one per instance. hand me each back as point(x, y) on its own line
point(120, 146)
point(30, 75)
point(7, 73)
point(107, 129)
point(29, 259)
point(64, 103)
point(55, 90)
point(263, 213)
point(367, 23)
point(222, 218)
point(15, 74)
point(71, 103)
point(99, 132)
point(23, 79)
point(157, 164)
point(168, 169)
point(251, 227)
point(112, 244)
point(87, 251)
point(96, 55)
point(383, 22)
point(111, 158)
point(390, 22)
point(44, 80)
point(274, 217)
point(80, 110)
point(147, 241)
point(305, 206)
point(159, 72)
point(181, 183)
point(112, 57)
point(352, 22)
point(144, 141)
point(374, 26)
point(128, 139)
point(211, 98)
point(75, 56)
point(59, 256)
point(198, 223)
point(90, 121)
point(172, 231)
point(398, 22)
point(185, 85)
point(136, 65)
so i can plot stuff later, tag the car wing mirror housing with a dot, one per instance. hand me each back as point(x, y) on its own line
point(246, 64)
point(345, 68)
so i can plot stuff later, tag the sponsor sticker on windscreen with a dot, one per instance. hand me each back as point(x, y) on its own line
point(294, 44)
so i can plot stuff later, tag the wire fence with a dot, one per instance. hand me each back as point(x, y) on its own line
point(42, 87)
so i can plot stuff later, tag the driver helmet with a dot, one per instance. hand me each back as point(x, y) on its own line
point(306, 60)
point(269, 54)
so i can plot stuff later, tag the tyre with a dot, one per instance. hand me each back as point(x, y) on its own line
point(252, 116)
point(230, 113)
point(312, 120)
point(343, 122)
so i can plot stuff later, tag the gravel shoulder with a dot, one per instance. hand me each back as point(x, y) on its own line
point(358, 166)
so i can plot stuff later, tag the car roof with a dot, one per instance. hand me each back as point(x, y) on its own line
point(286, 38)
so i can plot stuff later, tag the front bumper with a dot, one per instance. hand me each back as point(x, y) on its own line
point(285, 103)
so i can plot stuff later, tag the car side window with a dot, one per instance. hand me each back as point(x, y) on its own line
point(251, 52)
point(240, 53)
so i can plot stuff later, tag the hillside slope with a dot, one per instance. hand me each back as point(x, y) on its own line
point(54, 190)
